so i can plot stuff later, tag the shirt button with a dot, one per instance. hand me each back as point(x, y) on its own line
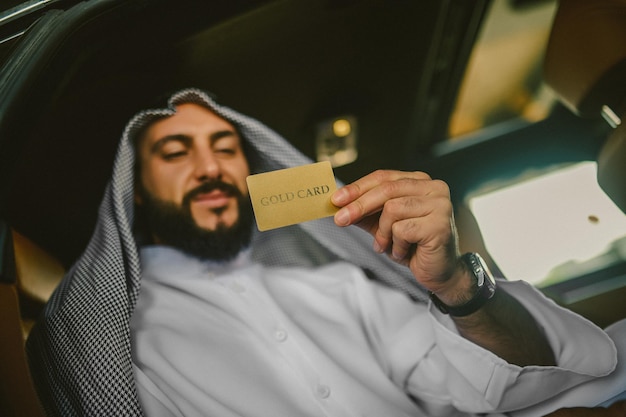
point(280, 335)
point(322, 391)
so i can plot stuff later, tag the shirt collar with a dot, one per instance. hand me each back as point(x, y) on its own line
point(161, 263)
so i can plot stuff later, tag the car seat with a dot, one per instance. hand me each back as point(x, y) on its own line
point(585, 65)
point(28, 275)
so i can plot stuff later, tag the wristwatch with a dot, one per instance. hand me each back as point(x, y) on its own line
point(486, 288)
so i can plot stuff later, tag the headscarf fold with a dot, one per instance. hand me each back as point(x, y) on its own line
point(79, 351)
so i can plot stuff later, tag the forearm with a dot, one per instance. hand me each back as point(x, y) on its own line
point(585, 355)
point(502, 325)
point(506, 328)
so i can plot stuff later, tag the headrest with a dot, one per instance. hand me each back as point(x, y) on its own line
point(585, 62)
point(585, 65)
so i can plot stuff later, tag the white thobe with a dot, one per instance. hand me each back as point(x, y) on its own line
point(241, 339)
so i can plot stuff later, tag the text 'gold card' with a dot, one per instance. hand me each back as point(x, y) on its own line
point(293, 195)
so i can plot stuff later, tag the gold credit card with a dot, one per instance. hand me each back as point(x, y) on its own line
point(293, 195)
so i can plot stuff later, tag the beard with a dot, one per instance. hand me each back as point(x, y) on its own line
point(174, 225)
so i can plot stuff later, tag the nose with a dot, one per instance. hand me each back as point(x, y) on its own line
point(206, 166)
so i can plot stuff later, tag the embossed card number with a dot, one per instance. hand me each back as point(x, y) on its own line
point(293, 195)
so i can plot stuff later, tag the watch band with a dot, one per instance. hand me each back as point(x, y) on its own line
point(486, 288)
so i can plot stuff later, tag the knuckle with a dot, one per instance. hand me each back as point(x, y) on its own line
point(422, 175)
point(395, 208)
point(403, 229)
point(390, 188)
point(397, 229)
point(380, 174)
point(441, 186)
point(359, 208)
point(353, 189)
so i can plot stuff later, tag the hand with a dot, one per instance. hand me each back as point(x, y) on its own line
point(411, 219)
point(618, 409)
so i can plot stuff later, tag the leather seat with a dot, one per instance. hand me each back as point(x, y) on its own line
point(585, 64)
point(28, 275)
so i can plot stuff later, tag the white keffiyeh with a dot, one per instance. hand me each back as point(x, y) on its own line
point(80, 351)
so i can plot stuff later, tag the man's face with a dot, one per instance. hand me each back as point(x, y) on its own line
point(180, 154)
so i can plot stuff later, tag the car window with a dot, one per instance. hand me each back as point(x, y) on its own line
point(552, 211)
point(503, 80)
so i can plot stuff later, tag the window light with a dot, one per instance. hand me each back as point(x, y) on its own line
point(551, 227)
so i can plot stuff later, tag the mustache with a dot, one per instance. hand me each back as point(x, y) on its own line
point(208, 186)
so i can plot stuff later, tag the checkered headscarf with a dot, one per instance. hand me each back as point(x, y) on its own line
point(80, 350)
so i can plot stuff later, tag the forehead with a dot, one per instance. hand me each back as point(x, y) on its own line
point(189, 119)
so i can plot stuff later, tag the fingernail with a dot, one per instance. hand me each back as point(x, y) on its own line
point(377, 247)
point(342, 218)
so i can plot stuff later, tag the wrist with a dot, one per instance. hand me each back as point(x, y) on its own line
point(470, 287)
point(459, 288)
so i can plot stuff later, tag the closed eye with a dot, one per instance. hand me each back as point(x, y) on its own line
point(226, 151)
point(173, 155)
point(171, 147)
point(225, 143)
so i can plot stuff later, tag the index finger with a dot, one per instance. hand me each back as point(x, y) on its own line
point(367, 195)
point(350, 192)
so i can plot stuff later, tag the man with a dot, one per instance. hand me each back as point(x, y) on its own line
point(226, 323)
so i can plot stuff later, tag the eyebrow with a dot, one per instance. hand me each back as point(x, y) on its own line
point(186, 140)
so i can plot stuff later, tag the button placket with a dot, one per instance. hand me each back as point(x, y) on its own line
point(272, 324)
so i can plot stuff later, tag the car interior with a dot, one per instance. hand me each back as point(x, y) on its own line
point(516, 104)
